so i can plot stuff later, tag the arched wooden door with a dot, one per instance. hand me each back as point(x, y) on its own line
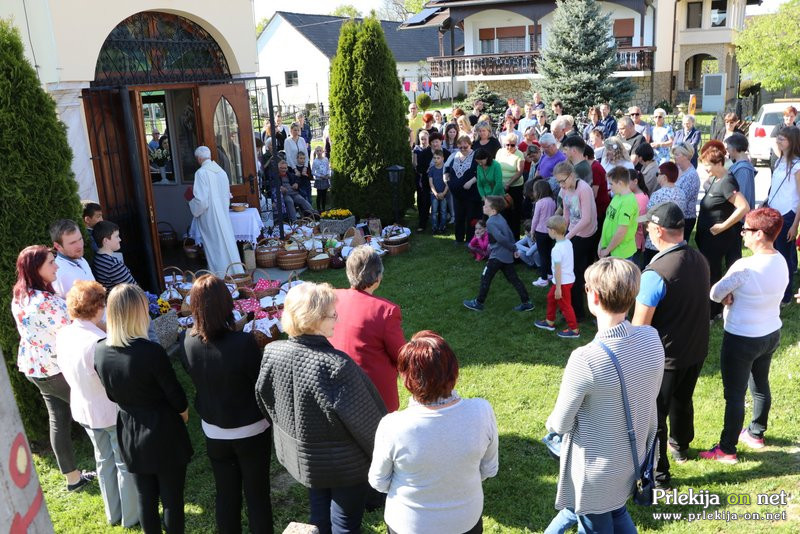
point(226, 128)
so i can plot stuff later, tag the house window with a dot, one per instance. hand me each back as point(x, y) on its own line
point(511, 39)
point(486, 37)
point(291, 78)
point(623, 32)
point(719, 13)
point(694, 15)
point(510, 44)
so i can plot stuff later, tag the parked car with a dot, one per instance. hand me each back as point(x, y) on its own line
point(769, 117)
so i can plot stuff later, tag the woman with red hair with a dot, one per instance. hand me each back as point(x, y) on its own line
point(751, 291)
point(721, 211)
point(432, 457)
point(39, 314)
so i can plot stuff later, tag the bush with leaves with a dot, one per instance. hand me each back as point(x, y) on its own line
point(368, 126)
point(493, 104)
point(424, 101)
point(579, 59)
point(37, 188)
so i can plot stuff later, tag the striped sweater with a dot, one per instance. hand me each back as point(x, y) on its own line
point(596, 474)
point(110, 271)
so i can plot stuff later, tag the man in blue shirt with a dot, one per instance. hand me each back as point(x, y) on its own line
point(673, 298)
point(607, 122)
point(153, 144)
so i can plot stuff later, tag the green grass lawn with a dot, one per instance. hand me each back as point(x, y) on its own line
point(518, 369)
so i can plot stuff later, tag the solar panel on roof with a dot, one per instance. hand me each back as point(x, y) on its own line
point(422, 16)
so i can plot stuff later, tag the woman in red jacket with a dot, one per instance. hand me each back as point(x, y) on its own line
point(370, 328)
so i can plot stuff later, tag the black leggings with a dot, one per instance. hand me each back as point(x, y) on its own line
point(167, 485)
point(544, 244)
point(322, 197)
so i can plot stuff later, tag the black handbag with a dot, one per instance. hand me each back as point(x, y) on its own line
point(645, 480)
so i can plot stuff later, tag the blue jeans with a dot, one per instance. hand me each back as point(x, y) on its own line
point(745, 361)
point(562, 522)
point(615, 522)
point(788, 250)
point(338, 510)
point(439, 216)
point(117, 486)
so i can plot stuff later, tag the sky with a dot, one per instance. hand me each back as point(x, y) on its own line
point(265, 8)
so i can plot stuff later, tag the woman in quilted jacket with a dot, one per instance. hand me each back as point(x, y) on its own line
point(323, 408)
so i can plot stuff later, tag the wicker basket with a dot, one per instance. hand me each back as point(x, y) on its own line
point(241, 280)
point(320, 264)
point(289, 260)
point(171, 274)
point(239, 325)
point(269, 292)
point(168, 238)
point(394, 250)
point(192, 249)
point(266, 256)
point(185, 287)
point(262, 339)
point(334, 226)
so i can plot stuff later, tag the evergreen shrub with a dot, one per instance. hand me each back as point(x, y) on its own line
point(37, 188)
point(580, 57)
point(424, 101)
point(368, 126)
point(493, 104)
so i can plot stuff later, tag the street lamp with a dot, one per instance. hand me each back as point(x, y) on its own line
point(395, 175)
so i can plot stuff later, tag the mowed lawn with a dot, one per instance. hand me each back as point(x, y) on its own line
point(518, 369)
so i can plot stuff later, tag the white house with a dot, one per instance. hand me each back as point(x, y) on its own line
point(662, 44)
point(295, 50)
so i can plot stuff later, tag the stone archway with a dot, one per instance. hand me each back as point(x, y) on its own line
point(692, 57)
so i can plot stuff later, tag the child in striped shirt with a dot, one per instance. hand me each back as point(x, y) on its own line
point(108, 269)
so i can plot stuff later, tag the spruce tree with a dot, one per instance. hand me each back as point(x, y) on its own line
point(37, 188)
point(368, 126)
point(579, 57)
point(493, 104)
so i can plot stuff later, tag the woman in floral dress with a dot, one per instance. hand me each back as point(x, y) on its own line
point(39, 314)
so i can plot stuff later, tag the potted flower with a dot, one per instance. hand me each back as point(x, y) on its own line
point(336, 221)
point(165, 320)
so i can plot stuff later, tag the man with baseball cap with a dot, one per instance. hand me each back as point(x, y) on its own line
point(672, 299)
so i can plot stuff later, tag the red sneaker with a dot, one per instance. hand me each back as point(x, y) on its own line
point(750, 440)
point(717, 454)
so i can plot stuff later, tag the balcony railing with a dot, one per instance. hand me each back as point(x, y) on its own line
point(629, 58)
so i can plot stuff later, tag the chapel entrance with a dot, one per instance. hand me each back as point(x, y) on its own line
point(162, 72)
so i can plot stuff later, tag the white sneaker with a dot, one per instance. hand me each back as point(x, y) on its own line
point(541, 282)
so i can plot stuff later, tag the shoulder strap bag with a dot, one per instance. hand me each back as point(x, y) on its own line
point(770, 196)
point(645, 481)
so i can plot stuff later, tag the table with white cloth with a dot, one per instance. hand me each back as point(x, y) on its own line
point(246, 225)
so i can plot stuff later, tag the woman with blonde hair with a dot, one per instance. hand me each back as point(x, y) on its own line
point(91, 407)
point(615, 154)
point(464, 127)
point(484, 138)
point(153, 410)
point(323, 407)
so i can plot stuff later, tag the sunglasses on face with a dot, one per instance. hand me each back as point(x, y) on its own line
point(634, 114)
point(745, 230)
point(511, 144)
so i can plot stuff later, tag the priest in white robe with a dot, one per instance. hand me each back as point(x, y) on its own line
point(209, 207)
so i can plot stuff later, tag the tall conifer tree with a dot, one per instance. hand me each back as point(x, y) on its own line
point(368, 127)
point(36, 188)
point(579, 57)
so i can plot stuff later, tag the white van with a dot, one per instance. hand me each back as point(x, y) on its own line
point(759, 137)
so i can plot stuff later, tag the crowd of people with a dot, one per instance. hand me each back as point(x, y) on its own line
point(327, 397)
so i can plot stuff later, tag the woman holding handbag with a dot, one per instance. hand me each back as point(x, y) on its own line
point(784, 196)
point(597, 473)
